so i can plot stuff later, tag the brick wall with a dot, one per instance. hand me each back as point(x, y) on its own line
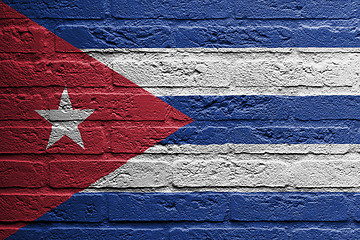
point(279, 167)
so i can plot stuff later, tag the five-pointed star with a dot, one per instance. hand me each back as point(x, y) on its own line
point(65, 120)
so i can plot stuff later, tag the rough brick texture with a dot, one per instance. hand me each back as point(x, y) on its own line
point(273, 151)
point(48, 150)
point(167, 207)
point(206, 215)
point(190, 23)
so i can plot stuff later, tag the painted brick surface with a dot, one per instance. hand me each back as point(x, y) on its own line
point(209, 36)
point(287, 216)
point(295, 10)
point(63, 10)
point(33, 203)
point(167, 207)
point(22, 174)
point(250, 233)
point(230, 23)
point(219, 173)
point(138, 174)
point(86, 208)
point(102, 233)
point(171, 10)
point(273, 87)
point(289, 207)
point(323, 234)
point(75, 174)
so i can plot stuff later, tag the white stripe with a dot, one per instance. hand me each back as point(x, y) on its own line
point(238, 167)
point(274, 71)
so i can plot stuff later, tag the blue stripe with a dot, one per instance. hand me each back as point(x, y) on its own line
point(267, 119)
point(195, 215)
point(190, 23)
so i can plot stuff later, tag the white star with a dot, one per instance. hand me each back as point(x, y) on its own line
point(65, 120)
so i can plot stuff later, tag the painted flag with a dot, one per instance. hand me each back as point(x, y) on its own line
point(253, 134)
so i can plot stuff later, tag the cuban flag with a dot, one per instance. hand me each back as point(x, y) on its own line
point(217, 119)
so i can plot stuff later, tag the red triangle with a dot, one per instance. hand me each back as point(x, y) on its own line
point(36, 66)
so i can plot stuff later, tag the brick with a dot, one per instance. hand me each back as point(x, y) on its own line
point(280, 9)
point(75, 72)
point(24, 140)
point(137, 174)
point(20, 106)
point(304, 135)
point(312, 173)
point(136, 139)
point(139, 108)
point(228, 233)
point(34, 140)
point(356, 7)
point(173, 73)
point(213, 36)
point(324, 108)
point(63, 9)
point(80, 207)
point(293, 73)
point(23, 233)
point(275, 36)
point(117, 37)
point(167, 207)
point(326, 36)
point(27, 207)
point(102, 233)
point(22, 174)
point(289, 207)
point(79, 174)
point(227, 173)
point(150, 108)
point(170, 149)
point(356, 202)
point(20, 36)
point(321, 233)
point(171, 9)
